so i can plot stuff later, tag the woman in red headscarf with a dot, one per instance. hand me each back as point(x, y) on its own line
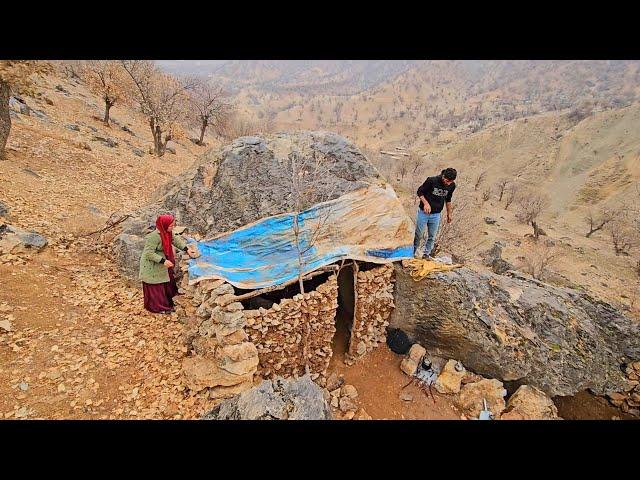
point(156, 265)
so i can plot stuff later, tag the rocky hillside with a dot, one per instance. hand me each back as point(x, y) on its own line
point(381, 104)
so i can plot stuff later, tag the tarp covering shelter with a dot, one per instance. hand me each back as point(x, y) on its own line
point(368, 224)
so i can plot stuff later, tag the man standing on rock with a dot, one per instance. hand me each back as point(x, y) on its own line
point(434, 193)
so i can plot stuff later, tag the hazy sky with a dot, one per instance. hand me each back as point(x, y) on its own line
point(189, 65)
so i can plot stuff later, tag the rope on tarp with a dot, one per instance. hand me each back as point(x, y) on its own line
point(420, 267)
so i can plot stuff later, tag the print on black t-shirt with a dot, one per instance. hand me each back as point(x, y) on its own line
point(436, 193)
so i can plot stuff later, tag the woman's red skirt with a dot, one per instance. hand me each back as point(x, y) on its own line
point(158, 297)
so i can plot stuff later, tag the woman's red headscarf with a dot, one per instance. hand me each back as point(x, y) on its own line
point(162, 223)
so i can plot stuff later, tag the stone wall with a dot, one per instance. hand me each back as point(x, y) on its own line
point(229, 347)
point(373, 307)
point(221, 360)
point(281, 332)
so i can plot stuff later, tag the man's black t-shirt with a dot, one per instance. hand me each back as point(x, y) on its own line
point(436, 193)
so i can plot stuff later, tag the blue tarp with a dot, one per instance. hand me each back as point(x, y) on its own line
point(367, 224)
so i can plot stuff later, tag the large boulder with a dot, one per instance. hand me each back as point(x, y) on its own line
point(277, 399)
point(518, 329)
point(14, 239)
point(243, 182)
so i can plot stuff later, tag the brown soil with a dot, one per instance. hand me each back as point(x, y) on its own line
point(586, 406)
point(380, 382)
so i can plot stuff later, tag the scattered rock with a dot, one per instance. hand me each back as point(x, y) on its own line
point(470, 400)
point(60, 88)
point(450, 378)
point(334, 381)
point(362, 415)
point(406, 396)
point(6, 325)
point(489, 220)
point(24, 386)
point(138, 152)
point(31, 172)
point(72, 126)
point(171, 148)
point(38, 114)
point(14, 240)
point(18, 105)
point(348, 404)
point(4, 211)
point(128, 130)
point(276, 399)
point(408, 366)
point(109, 142)
point(529, 403)
point(493, 258)
point(348, 391)
point(416, 352)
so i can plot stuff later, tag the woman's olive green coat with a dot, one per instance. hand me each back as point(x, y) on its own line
point(152, 269)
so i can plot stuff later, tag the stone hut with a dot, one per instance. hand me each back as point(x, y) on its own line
point(243, 308)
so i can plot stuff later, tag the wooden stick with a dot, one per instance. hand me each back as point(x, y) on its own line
point(110, 224)
point(273, 288)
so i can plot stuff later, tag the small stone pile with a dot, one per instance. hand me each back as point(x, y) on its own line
point(472, 391)
point(296, 332)
point(222, 359)
point(374, 304)
point(343, 399)
point(629, 401)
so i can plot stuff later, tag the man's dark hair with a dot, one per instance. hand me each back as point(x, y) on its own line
point(449, 173)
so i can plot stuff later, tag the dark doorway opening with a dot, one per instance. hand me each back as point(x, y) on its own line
point(344, 313)
point(266, 300)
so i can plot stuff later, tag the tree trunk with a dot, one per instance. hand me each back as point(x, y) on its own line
point(5, 117)
point(107, 107)
point(202, 130)
point(536, 231)
point(296, 232)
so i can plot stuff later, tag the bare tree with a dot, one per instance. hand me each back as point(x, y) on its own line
point(161, 98)
point(538, 258)
point(414, 162)
point(511, 192)
point(597, 221)
point(308, 187)
point(501, 185)
point(210, 107)
point(486, 194)
point(402, 168)
point(623, 238)
point(530, 206)
point(479, 180)
point(236, 126)
point(16, 76)
point(457, 237)
point(105, 78)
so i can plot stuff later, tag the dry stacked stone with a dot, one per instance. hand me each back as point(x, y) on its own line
point(221, 360)
point(629, 401)
point(296, 333)
point(374, 304)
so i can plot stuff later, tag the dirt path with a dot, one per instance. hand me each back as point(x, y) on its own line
point(83, 346)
